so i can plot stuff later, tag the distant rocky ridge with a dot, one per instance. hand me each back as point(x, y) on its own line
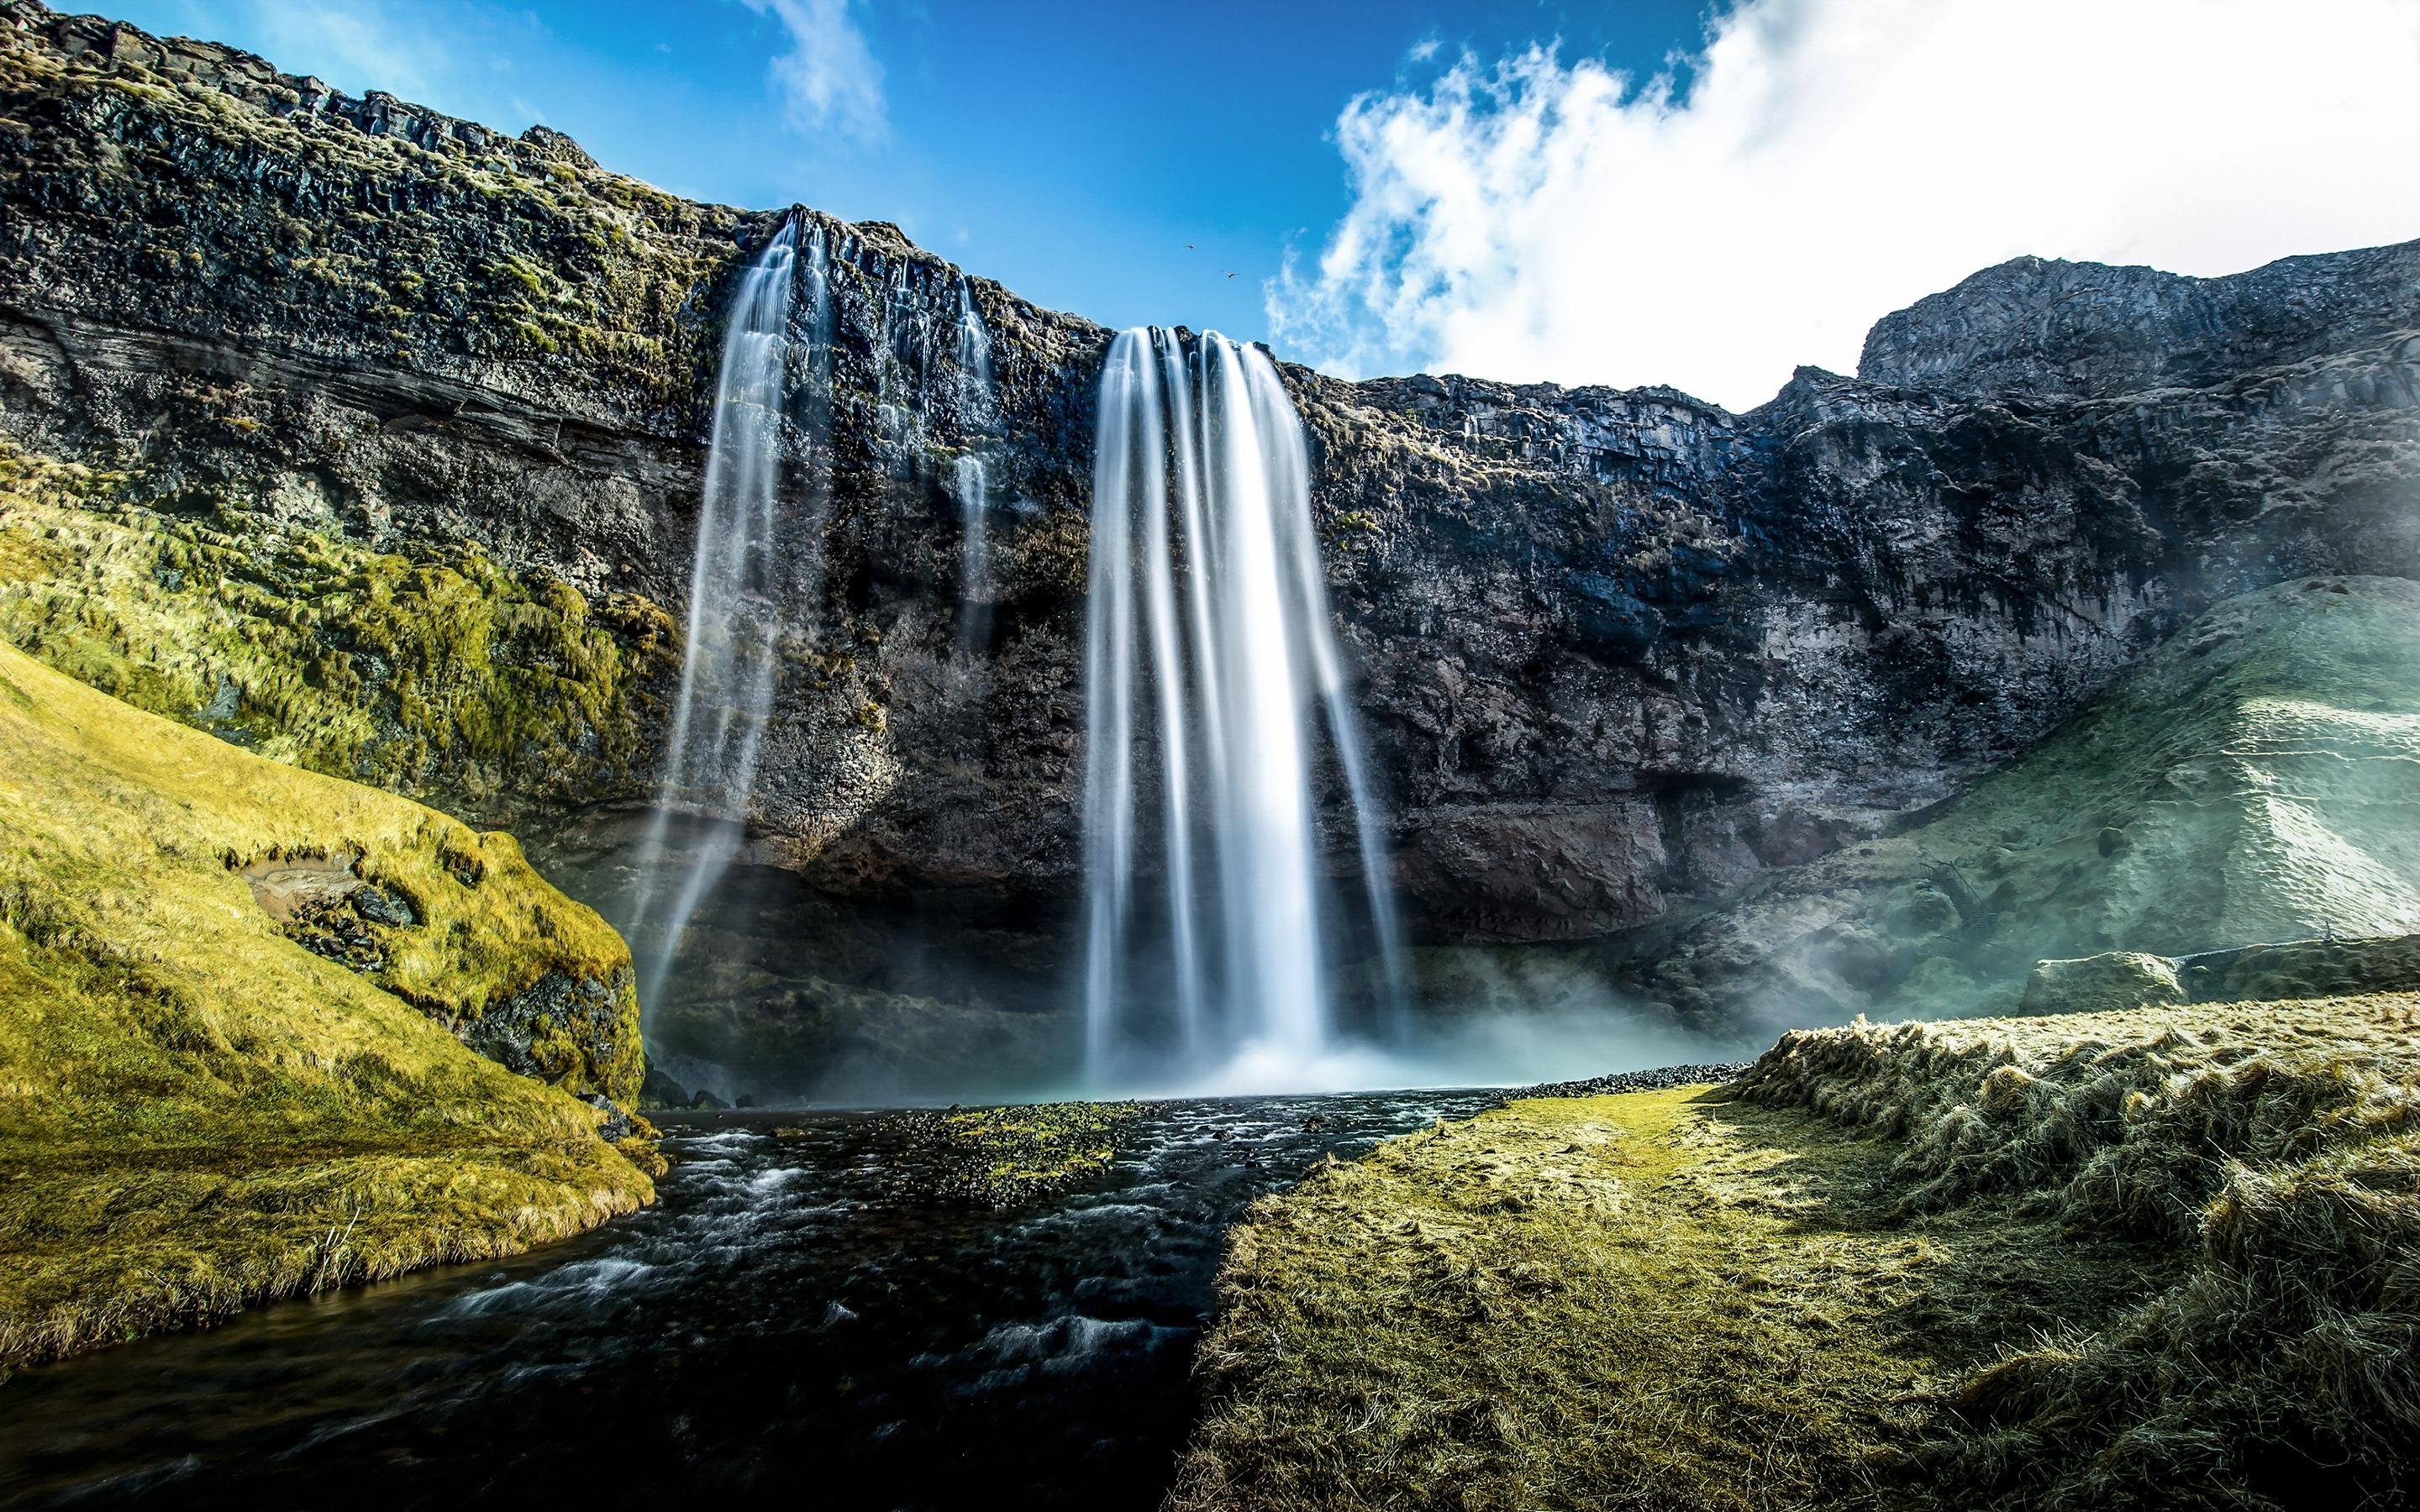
point(2044, 329)
point(1623, 654)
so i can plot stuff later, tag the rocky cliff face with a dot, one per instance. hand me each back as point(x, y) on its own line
point(2084, 331)
point(1623, 652)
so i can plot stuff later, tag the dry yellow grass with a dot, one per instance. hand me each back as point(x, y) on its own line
point(2274, 1147)
point(2149, 1258)
point(195, 1113)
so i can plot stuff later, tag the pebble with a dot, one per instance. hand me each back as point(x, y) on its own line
point(1656, 1079)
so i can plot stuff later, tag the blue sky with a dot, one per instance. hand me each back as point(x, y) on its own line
point(1069, 149)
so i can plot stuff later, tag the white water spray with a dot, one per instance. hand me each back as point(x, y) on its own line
point(1202, 475)
point(736, 613)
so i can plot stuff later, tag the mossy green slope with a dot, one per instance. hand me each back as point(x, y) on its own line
point(196, 1113)
point(2126, 1260)
point(438, 675)
point(2256, 778)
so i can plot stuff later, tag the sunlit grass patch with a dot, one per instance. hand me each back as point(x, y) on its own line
point(2133, 1258)
point(1658, 1299)
point(195, 1112)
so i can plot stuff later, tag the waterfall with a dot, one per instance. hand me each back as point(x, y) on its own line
point(974, 346)
point(972, 484)
point(1208, 653)
point(972, 476)
point(735, 609)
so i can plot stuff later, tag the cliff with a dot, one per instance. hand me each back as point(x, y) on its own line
point(2248, 782)
point(1623, 655)
point(2046, 329)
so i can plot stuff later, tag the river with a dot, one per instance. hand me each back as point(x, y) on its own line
point(791, 1323)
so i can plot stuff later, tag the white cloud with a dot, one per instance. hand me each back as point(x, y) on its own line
point(1835, 159)
point(355, 48)
point(830, 79)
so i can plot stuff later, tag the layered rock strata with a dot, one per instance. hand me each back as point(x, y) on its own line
point(1622, 654)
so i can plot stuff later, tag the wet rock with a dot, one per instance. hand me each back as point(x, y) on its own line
point(2327, 967)
point(616, 1126)
point(2110, 983)
point(332, 928)
point(575, 1032)
point(285, 886)
point(379, 906)
point(659, 1091)
point(1654, 1079)
point(2282, 972)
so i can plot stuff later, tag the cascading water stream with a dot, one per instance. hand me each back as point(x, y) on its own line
point(974, 349)
point(972, 484)
point(971, 480)
point(1202, 475)
point(736, 613)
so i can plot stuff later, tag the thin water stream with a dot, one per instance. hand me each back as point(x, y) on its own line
point(789, 1324)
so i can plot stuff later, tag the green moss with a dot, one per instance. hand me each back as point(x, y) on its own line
point(1001, 1156)
point(196, 1113)
point(441, 676)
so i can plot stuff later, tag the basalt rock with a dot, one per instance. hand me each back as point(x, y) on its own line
point(2086, 330)
point(1621, 654)
point(570, 1030)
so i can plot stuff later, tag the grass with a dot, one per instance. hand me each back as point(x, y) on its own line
point(2274, 1147)
point(1000, 1157)
point(2150, 1258)
point(196, 1113)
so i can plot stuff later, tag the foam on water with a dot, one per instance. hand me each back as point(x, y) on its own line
point(789, 1315)
point(1212, 677)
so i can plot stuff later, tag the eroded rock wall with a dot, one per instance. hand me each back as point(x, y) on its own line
point(1622, 652)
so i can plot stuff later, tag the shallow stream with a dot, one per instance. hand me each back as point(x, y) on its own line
point(788, 1324)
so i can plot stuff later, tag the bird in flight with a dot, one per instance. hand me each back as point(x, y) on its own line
point(1231, 275)
point(1188, 246)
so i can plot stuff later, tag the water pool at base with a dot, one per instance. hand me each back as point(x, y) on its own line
point(789, 1324)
